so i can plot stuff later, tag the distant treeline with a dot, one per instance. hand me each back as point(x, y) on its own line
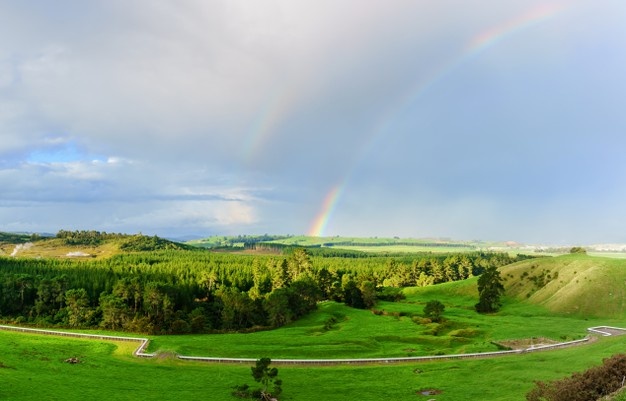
point(401, 243)
point(240, 241)
point(328, 248)
point(182, 291)
point(13, 238)
point(131, 243)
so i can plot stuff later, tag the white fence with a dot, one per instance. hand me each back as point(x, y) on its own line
point(143, 344)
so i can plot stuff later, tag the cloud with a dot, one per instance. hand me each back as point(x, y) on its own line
point(230, 116)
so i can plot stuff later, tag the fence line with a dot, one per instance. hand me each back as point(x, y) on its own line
point(143, 344)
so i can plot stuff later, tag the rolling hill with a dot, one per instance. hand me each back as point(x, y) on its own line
point(577, 285)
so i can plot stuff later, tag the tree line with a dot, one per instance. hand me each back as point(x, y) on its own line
point(183, 291)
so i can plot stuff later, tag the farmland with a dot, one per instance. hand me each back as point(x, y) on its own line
point(546, 300)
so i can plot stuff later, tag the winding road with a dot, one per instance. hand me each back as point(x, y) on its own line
point(143, 344)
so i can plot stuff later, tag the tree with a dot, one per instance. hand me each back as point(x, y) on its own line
point(300, 264)
point(262, 373)
point(352, 295)
point(368, 292)
point(578, 250)
point(276, 305)
point(114, 311)
point(490, 289)
point(433, 310)
point(77, 307)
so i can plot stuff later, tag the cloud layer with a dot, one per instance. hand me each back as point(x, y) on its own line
point(474, 119)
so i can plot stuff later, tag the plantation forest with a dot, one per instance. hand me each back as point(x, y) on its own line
point(158, 286)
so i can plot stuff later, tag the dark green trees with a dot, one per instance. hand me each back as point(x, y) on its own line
point(490, 289)
point(434, 310)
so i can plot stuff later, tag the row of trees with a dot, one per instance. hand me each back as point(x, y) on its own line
point(198, 291)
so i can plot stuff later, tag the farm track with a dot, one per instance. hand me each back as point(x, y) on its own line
point(143, 344)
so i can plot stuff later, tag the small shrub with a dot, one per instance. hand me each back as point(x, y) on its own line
point(421, 320)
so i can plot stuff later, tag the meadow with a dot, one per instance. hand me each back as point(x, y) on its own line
point(337, 331)
point(547, 300)
point(32, 367)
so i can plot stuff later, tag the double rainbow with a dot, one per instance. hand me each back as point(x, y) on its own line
point(478, 44)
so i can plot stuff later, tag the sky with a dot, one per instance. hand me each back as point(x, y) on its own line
point(464, 119)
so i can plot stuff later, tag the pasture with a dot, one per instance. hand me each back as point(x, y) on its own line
point(33, 367)
point(547, 300)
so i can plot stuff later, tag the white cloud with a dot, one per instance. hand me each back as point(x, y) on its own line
point(243, 115)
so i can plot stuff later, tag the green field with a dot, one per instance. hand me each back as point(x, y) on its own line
point(362, 334)
point(32, 367)
point(547, 299)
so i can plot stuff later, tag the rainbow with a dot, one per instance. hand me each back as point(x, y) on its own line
point(497, 33)
point(476, 45)
point(266, 122)
point(326, 211)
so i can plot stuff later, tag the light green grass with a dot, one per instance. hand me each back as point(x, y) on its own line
point(362, 334)
point(33, 369)
point(575, 285)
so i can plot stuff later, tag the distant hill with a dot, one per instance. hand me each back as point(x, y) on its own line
point(82, 244)
point(572, 284)
point(16, 238)
point(388, 245)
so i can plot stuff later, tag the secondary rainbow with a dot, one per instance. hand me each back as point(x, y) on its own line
point(478, 44)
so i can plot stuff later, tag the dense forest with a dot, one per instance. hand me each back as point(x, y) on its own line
point(161, 287)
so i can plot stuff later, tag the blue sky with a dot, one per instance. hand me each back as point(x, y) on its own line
point(465, 119)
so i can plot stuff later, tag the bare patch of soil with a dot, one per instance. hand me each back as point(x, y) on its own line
point(429, 391)
point(526, 343)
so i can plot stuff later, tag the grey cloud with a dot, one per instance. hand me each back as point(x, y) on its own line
point(243, 116)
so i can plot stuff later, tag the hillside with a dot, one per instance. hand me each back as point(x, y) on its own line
point(81, 244)
point(577, 285)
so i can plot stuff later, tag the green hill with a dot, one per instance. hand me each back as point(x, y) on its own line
point(577, 285)
point(82, 244)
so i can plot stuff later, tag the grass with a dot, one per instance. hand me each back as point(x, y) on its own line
point(398, 332)
point(32, 367)
point(574, 285)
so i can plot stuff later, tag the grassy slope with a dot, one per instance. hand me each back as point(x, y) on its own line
point(361, 334)
point(55, 248)
point(31, 367)
point(573, 285)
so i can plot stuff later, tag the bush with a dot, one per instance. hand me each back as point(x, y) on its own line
point(589, 385)
point(579, 250)
point(391, 294)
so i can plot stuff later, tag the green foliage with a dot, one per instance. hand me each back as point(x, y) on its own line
point(157, 291)
point(434, 310)
point(13, 238)
point(391, 294)
point(262, 373)
point(142, 243)
point(578, 250)
point(592, 384)
point(490, 289)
